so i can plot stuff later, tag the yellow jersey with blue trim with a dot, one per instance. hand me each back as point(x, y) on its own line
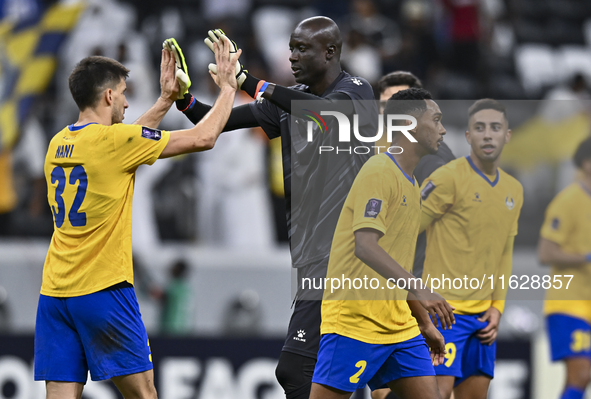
point(90, 174)
point(474, 216)
point(367, 307)
point(568, 223)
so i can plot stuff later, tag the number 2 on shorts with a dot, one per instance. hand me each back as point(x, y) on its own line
point(354, 379)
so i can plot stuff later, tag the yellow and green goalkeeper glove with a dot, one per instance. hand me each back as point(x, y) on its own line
point(182, 72)
point(213, 37)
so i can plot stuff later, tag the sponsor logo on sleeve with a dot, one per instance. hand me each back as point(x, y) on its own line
point(373, 208)
point(555, 223)
point(151, 134)
point(427, 190)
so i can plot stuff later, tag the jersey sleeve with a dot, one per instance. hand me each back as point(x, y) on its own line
point(438, 192)
point(371, 198)
point(136, 145)
point(268, 116)
point(558, 222)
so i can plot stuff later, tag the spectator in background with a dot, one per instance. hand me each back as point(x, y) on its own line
point(177, 310)
point(376, 29)
point(361, 58)
point(465, 35)
point(418, 50)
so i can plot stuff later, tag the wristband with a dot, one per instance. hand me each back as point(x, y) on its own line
point(260, 91)
point(250, 85)
point(185, 103)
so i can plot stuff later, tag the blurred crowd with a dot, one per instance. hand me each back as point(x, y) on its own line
point(460, 49)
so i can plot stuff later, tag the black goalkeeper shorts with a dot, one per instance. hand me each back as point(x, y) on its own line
point(303, 334)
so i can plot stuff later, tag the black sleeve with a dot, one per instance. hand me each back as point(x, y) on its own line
point(240, 118)
point(282, 97)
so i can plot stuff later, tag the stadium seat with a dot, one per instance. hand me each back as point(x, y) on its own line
point(536, 67)
point(573, 59)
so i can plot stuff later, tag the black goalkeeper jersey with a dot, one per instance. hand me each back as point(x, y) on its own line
point(317, 184)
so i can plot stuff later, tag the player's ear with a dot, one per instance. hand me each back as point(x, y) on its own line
point(331, 51)
point(508, 135)
point(468, 136)
point(108, 94)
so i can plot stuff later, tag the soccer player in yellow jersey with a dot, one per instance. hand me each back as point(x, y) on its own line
point(88, 317)
point(565, 243)
point(470, 210)
point(369, 335)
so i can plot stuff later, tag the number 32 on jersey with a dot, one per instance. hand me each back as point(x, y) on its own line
point(77, 175)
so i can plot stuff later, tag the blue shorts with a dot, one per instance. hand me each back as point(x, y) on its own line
point(466, 356)
point(101, 332)
point(569, 336)
point(347, 364)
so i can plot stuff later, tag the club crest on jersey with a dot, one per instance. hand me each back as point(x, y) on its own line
point(373, 208)
point(403, 203)
point(509, 202)
point(477, 198)
point(151, 134)
point(427, 190)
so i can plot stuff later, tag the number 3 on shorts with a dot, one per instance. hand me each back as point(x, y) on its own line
point(354, 379)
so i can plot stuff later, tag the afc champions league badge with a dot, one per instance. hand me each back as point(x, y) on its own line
point(373, 208)
point(509, 202)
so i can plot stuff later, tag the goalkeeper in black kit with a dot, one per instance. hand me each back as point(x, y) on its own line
point(316, 184)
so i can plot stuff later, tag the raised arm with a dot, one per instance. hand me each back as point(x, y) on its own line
point(169, 89)
point(204, 134)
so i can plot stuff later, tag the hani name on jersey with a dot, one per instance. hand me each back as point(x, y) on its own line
point(64, 151)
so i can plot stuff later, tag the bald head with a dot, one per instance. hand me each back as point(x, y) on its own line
point(321, 29)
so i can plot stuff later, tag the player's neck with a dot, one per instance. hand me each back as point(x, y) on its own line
point(408, 158)
point(320, 87)
point(488, 168)
point(92, 115)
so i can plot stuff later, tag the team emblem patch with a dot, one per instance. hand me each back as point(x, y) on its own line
point(427, 190)
point(151, 134)
point(509, 202)
point(373, 208)
point(555, 223)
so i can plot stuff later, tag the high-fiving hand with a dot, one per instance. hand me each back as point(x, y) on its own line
point(214, 36)
point(226, 60)
point(182, 72)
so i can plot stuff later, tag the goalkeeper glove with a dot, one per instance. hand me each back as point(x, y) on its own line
point(214, 37)
point(182, 72)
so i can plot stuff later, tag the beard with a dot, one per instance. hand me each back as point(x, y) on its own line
point(116, 117)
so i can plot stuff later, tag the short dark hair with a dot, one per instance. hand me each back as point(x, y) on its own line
point(408, 101)
point(398, 78)
point(486, 103)
point(583, 152)
point(91, 76)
